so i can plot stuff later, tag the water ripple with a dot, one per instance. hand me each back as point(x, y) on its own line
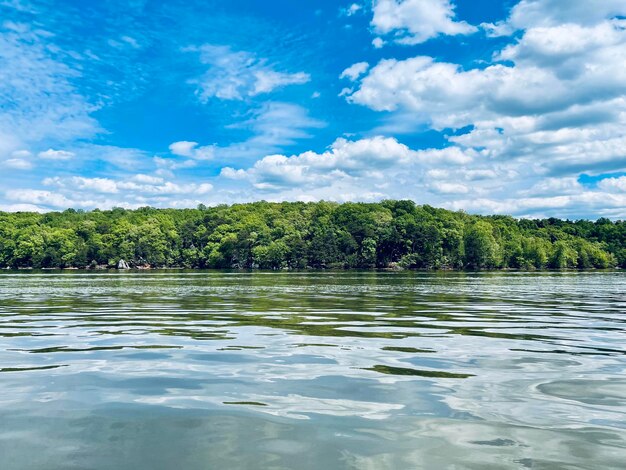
point(312, 370)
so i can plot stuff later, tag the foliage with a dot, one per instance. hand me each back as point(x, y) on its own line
point(299, 235)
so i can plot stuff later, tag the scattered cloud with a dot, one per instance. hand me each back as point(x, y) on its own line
point(237, 75)
point(355, 71)
point(378, 43)
point(38, 101)
point(191, 150)
point(352, 10)
point(17, 164)
point(272, 126)
point(416, 21)
point(52, 154)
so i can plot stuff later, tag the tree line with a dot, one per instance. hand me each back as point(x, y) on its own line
point(321, 235)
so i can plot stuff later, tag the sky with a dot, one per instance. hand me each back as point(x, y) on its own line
point(488, 106)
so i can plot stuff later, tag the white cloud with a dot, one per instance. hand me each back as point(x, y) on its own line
point(519, 130)
point(41, 198)
point(385, 166)
point(378, 43)
point(353, 9)
point(613, 184)
point(448, 96)
point(21, 208)
point(344, 159)
point(448, 155)
point(147, 179)
point(52, 154)
point(268, 80)
point(449, 188)
point(231, 173)
point(17, 164)
point(588, 203)
point(416, 21)
point(550, 186)
point(579, 125)
point(144, 185)
point(565, 47)
point(355, 71)
point(130, 192)
point(237, 75)
point(532, 13)
point(183, 148)
point(499, 29)
point(98, 185)
point(166, 164)
point(190, 149)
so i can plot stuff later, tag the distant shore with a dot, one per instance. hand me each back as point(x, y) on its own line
point(293, 236)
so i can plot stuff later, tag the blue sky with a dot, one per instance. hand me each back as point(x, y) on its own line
point(514, 107)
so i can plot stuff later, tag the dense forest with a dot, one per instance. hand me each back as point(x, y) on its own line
point(389, 234)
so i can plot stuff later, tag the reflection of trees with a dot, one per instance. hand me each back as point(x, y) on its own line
point(213, 305)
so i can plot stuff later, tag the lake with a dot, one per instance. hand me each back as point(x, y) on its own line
point(317, 370)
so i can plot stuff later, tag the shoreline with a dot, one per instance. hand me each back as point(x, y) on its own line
point(306, 270)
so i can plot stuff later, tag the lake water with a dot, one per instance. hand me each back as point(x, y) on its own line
point(214, 370)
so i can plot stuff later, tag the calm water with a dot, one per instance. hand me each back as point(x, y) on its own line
point(207, 370)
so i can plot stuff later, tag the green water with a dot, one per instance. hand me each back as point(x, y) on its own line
point(213, 370)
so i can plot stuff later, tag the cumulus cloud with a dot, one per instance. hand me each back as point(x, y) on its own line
point(231, 173)
point(191, 150)
point(344, 159)
point(365, 169)
point(236, 75)
point(613, 184)
point(554, 103)
point(532, 13)
point(416, 21)
point(448, 96)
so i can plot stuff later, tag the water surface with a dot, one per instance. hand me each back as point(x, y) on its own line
point(203, 370)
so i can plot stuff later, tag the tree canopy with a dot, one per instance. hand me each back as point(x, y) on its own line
point(298, 235)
